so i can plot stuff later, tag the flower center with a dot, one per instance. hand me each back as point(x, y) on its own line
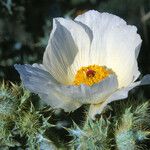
point(90, 75)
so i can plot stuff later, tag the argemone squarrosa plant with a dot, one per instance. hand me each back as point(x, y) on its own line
point(89, 60)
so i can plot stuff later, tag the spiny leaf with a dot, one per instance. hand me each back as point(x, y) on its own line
point(94, 135)
point(131, 127)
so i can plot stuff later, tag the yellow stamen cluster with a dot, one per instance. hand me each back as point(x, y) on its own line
point(91, 74)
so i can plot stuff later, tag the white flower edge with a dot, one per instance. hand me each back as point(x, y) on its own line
point(120, 94)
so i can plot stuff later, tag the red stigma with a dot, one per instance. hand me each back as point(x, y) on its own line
point(90, 73)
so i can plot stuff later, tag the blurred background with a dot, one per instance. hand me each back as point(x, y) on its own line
point(25, 26)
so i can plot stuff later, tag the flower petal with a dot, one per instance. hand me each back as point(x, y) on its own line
point(42, 83)
point(100, 24)
point(115, 44)
point(118, 95)
point(123, 45)
point(66, 40)
point(91, 94)
point(145, 80)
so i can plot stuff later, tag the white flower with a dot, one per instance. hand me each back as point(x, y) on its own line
point(91, 60)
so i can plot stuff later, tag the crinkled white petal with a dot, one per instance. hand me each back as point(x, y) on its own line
point(115, 44)
point(91, 94)
point(66, 40)
point(42, 83)
point(100, 24)
point(123, 46)
point(118, 95)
